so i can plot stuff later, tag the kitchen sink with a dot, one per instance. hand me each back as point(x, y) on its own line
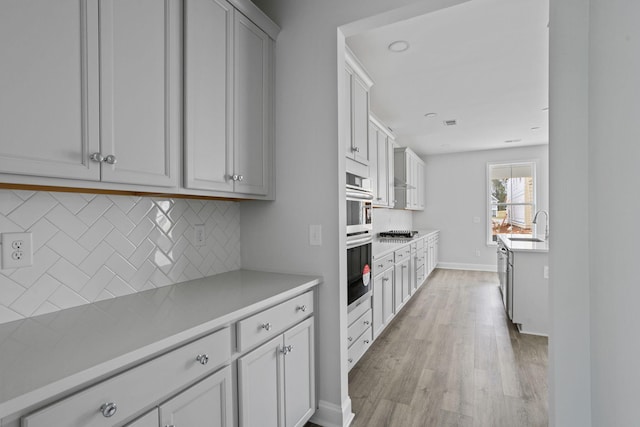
point(525, 239)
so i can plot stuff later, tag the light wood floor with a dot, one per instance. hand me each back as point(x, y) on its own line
point(451, 358)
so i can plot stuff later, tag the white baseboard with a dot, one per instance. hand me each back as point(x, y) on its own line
point(462, 266)
point(331, 415)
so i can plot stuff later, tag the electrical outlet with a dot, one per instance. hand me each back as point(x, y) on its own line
point(477, 252)
point(17, 250)
point(200, 236)
point(545, 272)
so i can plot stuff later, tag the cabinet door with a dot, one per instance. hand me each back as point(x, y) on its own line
point(390, 174)
point(208, 403)
point(252, 105)
point(401, 284)
point(208, 95)
point(348, 91)
point(360, 121)
point(374, 134)
point(420, 184)
point(49, 85)
point(378, 304)
point(388, 308)
point(382, 173)
point(150, 419)
point(260, 384)
point(139, 90)
point(299, 374)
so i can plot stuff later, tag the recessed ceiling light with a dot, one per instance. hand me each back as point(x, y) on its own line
point(535, 128)
point(430, 115)
point(510, 141)
point(398, 46)
point(545, 109)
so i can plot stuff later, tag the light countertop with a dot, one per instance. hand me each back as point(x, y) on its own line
point(44, 355)
point(384, 246)
point(519, 246)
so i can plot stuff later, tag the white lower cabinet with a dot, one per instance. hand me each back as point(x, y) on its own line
point(359, 333)
point(276, 381)
point(402, 277)
point(209, 402)
point(195, 385)
point(382, 300)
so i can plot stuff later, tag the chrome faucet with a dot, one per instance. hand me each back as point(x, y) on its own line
point(546, 222)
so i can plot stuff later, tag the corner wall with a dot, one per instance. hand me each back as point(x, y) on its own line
point(456, 192)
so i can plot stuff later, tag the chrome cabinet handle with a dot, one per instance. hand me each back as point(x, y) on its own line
point(203, 359)
point(380, 265)
point(349, 339)
point(404, 266)
point(240, 177)
point(97, 157)
point(350, 360)
point(266, 326)
point(366, 341)
point(356, 149)
point(390, 261)
point(287, 349)
point(302, 308)
point(385, 279)
point(109, 409)
point(235, 177)
point(367, 323)
point(400, 255)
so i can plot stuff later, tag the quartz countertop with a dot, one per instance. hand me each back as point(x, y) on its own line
point(519, 246)
point(48, 354)
point(384, 246)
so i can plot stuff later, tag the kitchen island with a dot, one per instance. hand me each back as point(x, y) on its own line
point(528, 283)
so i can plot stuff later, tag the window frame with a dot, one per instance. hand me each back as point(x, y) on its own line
point(534, 166)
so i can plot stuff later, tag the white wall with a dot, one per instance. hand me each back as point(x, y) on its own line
point(310, 171)
point(614, 210)
point(569, 339)
point(456, 192)
point(90, 247)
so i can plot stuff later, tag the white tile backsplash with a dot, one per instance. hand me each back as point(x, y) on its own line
point(91, 247)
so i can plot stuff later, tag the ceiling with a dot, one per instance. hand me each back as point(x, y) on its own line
point(483, 63)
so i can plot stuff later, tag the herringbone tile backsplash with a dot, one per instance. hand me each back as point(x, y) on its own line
point(90, 247)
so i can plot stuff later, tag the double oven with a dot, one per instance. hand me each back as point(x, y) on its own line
point(359, 238)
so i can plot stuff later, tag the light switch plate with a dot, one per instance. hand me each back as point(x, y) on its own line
point(17, 250)
point(315, 235)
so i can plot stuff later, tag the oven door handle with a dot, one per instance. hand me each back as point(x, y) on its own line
point(358, 241)
point(357, 195)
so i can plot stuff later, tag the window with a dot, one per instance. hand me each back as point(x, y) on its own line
point(512, 198)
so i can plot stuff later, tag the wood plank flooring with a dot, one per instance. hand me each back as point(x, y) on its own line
point(451, 358)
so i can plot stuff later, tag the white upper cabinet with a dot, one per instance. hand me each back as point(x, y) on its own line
point(357, 86)
point(139, 86)
point(208, 95)
point(252, 118)
point(382, 142)
point(228, 119)
point(49, 84)
point(90, 89)
point(409, 178)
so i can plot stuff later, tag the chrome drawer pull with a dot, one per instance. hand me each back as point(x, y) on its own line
point(266, 326)
point(349, 339)
point(366, 323)
point(366, 341)
point(109, 409)
point(203, 359)
point(302, 308)
point(287, 349)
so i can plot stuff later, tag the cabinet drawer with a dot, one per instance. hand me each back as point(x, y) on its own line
point(403, 253)
point(359, 347)
point(358, 310)
point(271, 322)
point(382, 263)
point(358, 327)
point(138, 387)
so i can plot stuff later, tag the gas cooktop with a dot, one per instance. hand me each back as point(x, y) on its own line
point(398, 234)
